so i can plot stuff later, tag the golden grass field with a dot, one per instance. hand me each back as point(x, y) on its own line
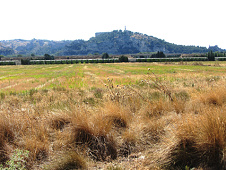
point(114, 116)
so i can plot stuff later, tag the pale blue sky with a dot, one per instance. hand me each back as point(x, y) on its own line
point(186, 22)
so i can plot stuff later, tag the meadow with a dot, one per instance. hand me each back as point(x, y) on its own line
point(113, 116)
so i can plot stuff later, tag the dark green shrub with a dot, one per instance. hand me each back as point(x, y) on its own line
point(105, 56)
point(52, 62)
point(68, 61)
point(123, 58)
point(25, 61)
point(63, 61)
point(58, 62)
point(48, 57)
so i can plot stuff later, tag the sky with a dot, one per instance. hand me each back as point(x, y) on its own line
point(184, 22)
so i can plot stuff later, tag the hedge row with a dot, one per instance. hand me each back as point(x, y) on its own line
point(171, 59)
point(220, 58)
point(36, 62)
point(71, 61)
point(7, 63)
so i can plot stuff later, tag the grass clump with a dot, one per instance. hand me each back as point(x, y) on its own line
point(6, 136)
point(3, 154)
point(67, 160)
point(100, 146)
point(59, 121)
point(199, 142)
point(38, 150)
point(94, 134)
point(116, 115)
point(215, 97)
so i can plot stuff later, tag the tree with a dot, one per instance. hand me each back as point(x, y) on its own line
point(1, 56)
point(19, 55)
point(32, 55)
point(48, 57)
point(105, 56)
point(211, 56)
point(123, 58)
point(159, 54)
point(25, 61)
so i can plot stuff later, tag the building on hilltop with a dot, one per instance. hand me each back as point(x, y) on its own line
point(215, 48)
point(99, 33)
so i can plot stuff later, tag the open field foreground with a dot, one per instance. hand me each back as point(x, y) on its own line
point(113, 116)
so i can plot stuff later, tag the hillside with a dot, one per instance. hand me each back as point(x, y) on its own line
point(28, 47)
point(115, 42)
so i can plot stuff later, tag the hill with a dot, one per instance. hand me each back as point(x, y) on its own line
point(126, 42)
point(34, 46)
point(115, 42)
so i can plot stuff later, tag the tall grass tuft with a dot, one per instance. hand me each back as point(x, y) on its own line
point(116, 115)
point(67, 160)
point(6, 136)
point(94, 134)
point(214, 97)
point(59, 121)
point(199, 141)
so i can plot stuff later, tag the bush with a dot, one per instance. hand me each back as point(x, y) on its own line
point(221, 58)
point(69, 62)
point(48, 57)
point(123, 58)
point(73, 61)
point(57, 62)
point(105, 56)
point(25, 61)
point(63, 61)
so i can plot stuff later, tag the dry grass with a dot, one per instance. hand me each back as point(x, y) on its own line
point(216, 97)
point(137, 125)
point(193, 140)
point(67, 160)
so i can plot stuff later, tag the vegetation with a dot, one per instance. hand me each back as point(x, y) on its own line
point(1, 56)
point(115, 42)
point(6, 51)
point(105, 56)
point(158, 55)
point(48, 57)
point(211, 56)
point(113, 116)
point(17, 161)
point(123, 58)
point(25, 61)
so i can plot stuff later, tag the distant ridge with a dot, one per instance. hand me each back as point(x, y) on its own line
point(115, 42)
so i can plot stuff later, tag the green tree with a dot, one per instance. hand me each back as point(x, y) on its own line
point(48, 57)
point(19, 55)
point(1, 56)
point(211, 56)
point(25, 61)
point(123, 58)
point(159, 54)
point(105, 56)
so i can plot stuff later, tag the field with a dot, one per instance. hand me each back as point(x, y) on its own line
point(113, 116)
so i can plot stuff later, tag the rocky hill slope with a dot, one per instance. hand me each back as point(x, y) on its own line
point(34, 46)
point(115, 42)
